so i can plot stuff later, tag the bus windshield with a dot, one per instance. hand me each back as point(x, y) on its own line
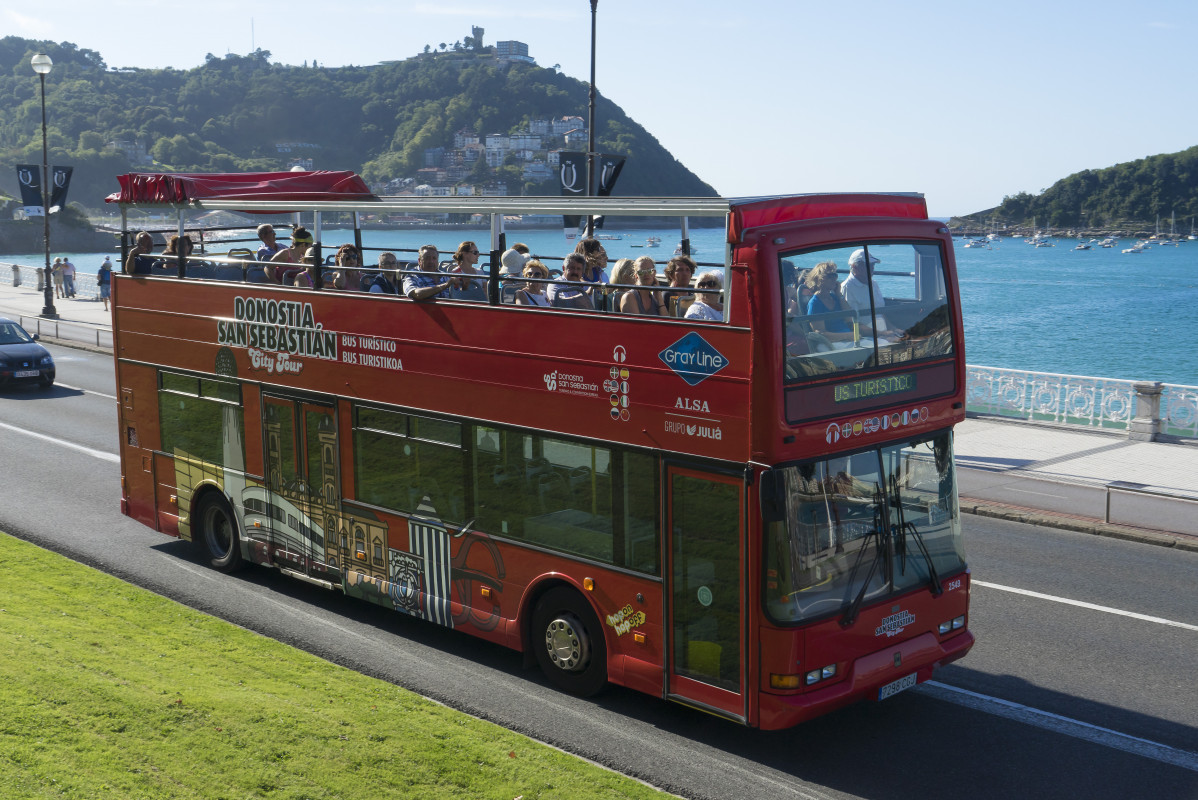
point(862, 527)
point(861, 305)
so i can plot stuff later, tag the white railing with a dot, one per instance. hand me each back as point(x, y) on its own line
point(1145, 409)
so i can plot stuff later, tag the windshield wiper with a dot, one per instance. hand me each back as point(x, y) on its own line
point(879, 530)
point(900, 532)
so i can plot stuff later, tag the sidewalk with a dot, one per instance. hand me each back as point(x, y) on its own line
point(81, 320)
point(1101, 483)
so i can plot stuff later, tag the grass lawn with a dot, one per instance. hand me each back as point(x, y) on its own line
point(110, 691)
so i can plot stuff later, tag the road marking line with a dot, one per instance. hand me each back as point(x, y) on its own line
point(1058, 724)
point(1091, 606)
point(100, 454)
point(87, 391)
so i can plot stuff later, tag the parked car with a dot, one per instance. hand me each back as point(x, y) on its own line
point(22, 359)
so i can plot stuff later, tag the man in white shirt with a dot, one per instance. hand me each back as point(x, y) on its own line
point(858, 285)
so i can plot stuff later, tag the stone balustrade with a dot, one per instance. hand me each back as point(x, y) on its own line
point(1146, 410)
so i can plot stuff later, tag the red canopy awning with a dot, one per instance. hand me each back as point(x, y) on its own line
point(755, 213)
point(154, 187)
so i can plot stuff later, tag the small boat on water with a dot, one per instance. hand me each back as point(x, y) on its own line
point(1138, 247)
point(1082, 246)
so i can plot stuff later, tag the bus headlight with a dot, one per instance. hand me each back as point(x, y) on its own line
point(817, 675)
point(952, 625)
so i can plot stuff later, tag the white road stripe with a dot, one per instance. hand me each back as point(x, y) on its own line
point(1058, 724)
point(1091, 606)
point(100, 454)
point(87, 391)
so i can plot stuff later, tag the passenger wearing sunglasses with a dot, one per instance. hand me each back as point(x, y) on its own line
point(707, 305)
point(645, 300)
point(349, 277)
point(532, 293)
point(465, 259)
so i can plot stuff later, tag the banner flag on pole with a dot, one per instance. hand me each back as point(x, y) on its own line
point(29, 176)
point(573, 171)
point(61, 177)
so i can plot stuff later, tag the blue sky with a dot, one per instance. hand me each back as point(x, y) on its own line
point(964, 102)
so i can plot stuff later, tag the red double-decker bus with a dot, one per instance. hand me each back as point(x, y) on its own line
point(754, 514)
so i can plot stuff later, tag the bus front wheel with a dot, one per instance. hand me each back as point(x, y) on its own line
point(217, 529)
point(568, 642)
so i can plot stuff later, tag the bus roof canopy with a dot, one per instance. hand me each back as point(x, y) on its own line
point(175, 188)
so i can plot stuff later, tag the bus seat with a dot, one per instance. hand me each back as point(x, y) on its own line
point(679, 304)
point(241, 252)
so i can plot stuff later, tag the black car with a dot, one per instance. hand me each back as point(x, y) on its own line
point(22, 359)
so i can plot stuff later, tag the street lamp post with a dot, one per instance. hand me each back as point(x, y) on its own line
point(42, 65)
point(591, 188)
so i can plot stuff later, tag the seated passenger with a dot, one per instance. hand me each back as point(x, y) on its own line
point(857, 288)
point(532, 293)
point(512, 262)
point(385, 281)
point(707, 305)
point(349, 277)
point(266, 233)
point(306, 278)
point(646, 299)
point(593, 251)
point(826, 299)
point(170, 256)
point(138, 262)
point(623, 276)
point(679, 270)
point(569, 292)
point(429, 282)
point(301, 240)
point(465, 261)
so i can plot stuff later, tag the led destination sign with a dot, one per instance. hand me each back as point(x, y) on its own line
point(874, 387)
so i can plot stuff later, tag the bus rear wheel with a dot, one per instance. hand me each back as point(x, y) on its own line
point(217, 534)
point(568, 642)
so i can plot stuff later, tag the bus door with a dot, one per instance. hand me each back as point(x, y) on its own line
point(302, 485)
point(706, 602)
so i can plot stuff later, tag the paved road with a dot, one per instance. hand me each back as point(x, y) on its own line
point(1082, 688)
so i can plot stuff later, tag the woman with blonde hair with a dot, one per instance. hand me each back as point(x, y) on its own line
point(822, 280)
point(533, 292)
point(645, 300)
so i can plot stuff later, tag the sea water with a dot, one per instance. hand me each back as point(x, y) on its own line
point(1098, 313)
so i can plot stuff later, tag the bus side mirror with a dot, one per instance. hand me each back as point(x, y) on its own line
point(771, 491)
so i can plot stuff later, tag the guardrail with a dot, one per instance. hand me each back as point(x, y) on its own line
point(85, 282)
point(1146, 410)
point(70, 331)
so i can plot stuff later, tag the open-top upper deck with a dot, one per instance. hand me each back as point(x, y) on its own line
point(707, 389)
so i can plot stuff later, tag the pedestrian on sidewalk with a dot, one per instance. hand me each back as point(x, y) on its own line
point(68, 278)
point(104, 280)
point(56, 274)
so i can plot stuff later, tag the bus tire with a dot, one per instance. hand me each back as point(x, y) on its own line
point(568, 642)
point(217, 537)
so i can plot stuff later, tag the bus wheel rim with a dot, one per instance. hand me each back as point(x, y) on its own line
point(566, 643)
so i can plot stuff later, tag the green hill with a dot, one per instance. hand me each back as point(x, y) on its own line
point(243, 113)
point(1128, 195)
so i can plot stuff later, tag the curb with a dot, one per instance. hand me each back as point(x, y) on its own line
point(1092, 527)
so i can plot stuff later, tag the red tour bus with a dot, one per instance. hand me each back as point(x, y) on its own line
point(753, 513)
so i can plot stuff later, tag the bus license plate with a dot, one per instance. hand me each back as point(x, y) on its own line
point(891, 689)
point(26, 373)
